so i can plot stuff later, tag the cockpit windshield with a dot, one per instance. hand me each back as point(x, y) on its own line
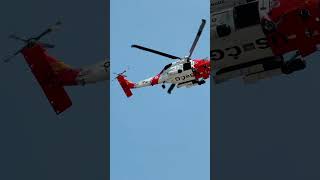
point(166, 67)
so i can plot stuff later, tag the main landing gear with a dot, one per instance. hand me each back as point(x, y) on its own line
point(194, 82)
point(171, 88)
point(293, 65)
point(201, 82)
point(296, 63)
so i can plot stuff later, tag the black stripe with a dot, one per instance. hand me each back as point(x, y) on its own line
point(268, 64)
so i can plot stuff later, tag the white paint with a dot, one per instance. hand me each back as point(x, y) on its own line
point(94, 73)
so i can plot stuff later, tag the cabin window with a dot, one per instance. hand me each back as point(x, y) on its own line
point(166, 67)
point(247, 15)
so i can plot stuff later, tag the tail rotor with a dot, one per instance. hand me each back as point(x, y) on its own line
point(119, 74)
point(124, 83)
point(31, 41)
point(15, 37)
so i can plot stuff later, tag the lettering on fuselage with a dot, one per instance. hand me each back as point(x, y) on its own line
point(182, 78)
point(236, 51)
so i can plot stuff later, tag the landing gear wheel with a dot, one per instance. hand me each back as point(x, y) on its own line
point(163, 86)
point(201, 82)
point(293, 65)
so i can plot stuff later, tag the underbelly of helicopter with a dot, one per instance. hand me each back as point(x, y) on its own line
point(188, 84)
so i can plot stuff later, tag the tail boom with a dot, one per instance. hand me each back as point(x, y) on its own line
point(50, 83)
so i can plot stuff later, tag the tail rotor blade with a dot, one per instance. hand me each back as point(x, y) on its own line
point(50, 29)
point(203, 23)
point(12, 36)
point(155, 52)
point(9, 58)
point(33, 40)
point(46, 45)
point(119, 74)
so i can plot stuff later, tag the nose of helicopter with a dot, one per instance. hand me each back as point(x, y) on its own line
point(203, 67)
point(293, 25)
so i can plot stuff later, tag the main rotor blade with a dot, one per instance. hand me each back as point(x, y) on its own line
point(47, 31)
point(203, 23)
point(154, 51)
point(47, 45)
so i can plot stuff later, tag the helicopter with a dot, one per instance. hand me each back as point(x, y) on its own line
point(260, 39)
point(184, 72)
point(52, 74)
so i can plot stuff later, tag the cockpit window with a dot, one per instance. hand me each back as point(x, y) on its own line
point(247, 15)
point(166, 67)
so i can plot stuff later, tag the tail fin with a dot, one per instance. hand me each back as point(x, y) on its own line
point(125, 84)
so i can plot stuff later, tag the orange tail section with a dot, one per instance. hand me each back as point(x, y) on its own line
point(125, 84)
point(45, 70)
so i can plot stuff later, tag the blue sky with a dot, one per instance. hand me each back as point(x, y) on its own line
point(155, 135)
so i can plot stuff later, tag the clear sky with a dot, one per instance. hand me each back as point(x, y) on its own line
point(155, 135)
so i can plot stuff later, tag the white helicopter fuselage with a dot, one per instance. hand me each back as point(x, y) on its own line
point(94, 73)
point(177, 74)
point(173, 73)
point(180, 73)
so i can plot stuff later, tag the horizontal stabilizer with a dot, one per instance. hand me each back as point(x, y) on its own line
point(57, 97)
